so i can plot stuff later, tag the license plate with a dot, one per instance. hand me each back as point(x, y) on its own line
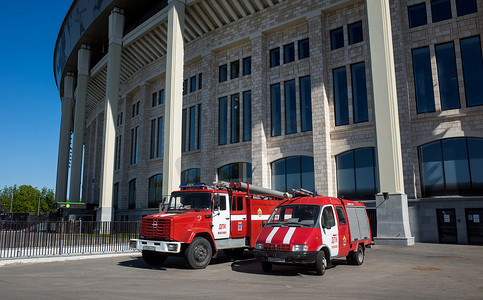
point(276, 259)
point(150, 248)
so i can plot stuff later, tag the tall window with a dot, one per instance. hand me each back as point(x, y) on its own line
point(117, 153)
point(223, 73)
point(132, 194)
point(161, 97)
point(356, 174)
point(135, 109)
point(304, 49)
point(185, 86)
point(183, 130)
point(200, 81)
point(359, 92)
point(288, 53)
point(290, 107)
point(234, 69)
point(190, 176)
point(293, 173)
point(159, 148)
point(236, 172)
point(452, 167)
point(355, 33)
point(417, 15)
point(222, 120)
point(423, 80)
point(337, 38)
point(152, 149)
point(448, 79)
point(155, 194)
point(472, 70)
point(276, 110)
point(156, 149)
point(441, 10)
point(192, 129)
point(247, 66)
point(465, 7)
point(193, 84)
point(341, 102)
point(235, 118)
point(247, 116)
point(274, 57)
point(115, 195)
point(199, 127)
point(306, 103)
point(134, 145)
point(154, 100)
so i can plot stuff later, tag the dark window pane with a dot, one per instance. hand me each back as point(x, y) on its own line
point(247, 66)
point(465, 7)
point(199, 127)
point(222, 120)
point(337, 38)
point(475, 154)
point(278, 175)
point(456, 171)
point(183, 130)
point(294, 180)
point(132, 194)
point(274, 57)
point(364, 172)
point(234, 69)
point(306, 103)
point(423, 80)
point(441, 10)
point(355, 33)
point(192, 84)
point(247, 116)
point(185, 86)
point(346, 185)
point(235, 118)
point(161, 97)
point(448, 79)
point(431, 166)
point(341, 105)
point(290, 107)
point(288, 53)
point(359, 92)
point(200, 81)
point(304, 49)
point(235, 172)
point(155, 195)
point(308, 179)
point(472, 70)
point(154, 101)
point(115, 195)
point(293, 173)
point(276, 109)
point(192, 132)
point(417, 15)
point(153, 139)
point(224, 173)
point(223, 73)
point(160, 137)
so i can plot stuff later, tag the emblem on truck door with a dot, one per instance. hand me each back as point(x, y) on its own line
point(259, 212)
point(344, 241)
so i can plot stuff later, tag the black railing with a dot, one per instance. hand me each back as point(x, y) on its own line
point(37, 239)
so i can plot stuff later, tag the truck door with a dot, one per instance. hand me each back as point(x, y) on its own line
point(238, 216)
point(221, 219)
point(330, 232)
point(344, 237)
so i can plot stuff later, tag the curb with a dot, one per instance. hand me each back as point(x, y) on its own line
point(35, 260)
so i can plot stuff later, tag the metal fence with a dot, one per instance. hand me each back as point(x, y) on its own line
point(38, 239)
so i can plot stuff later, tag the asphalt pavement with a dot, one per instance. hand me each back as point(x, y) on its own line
point(423, 271)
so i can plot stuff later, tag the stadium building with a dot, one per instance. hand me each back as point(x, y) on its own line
point(377, 101)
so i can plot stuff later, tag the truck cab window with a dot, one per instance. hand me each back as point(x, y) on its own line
point(341, 215)
point(328, 217)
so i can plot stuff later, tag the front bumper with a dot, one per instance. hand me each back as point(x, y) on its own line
point(157, 246)
point(306, 257)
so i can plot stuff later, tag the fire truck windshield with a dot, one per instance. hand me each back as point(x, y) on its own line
point(294, 216)
point(190, 200)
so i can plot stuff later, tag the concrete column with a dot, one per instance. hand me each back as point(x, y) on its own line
point(83, 60)
point(392, 209)
point(64, 139)
point(174, 97)
point(116, 27)
point(209, 116)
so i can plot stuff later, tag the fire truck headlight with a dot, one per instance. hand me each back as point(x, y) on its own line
point(132, 244)
point(300, 248)
point(172, 247)
point(259, 246)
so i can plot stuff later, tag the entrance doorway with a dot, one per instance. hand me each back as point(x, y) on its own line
point(474, 225)
point(447, 226)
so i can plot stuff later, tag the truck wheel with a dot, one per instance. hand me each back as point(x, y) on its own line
point(358, 257)
point(320, 263)
point(198, 253)
point(266, 266)
point(154, 258)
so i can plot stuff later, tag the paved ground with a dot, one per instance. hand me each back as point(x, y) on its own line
point(422, 271)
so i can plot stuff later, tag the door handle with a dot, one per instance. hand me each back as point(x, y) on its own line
point(227, 218)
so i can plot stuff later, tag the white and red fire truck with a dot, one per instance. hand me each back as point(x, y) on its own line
point(313, 231)
point(200, 220)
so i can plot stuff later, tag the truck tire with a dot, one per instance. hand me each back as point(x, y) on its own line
point(154, 258)
point(266, 266)
point(198, 255)
point(357, 258)
point(320, 263)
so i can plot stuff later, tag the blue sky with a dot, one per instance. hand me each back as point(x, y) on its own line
point(29, 99)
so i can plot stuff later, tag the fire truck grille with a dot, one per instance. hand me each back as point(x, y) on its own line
point(155, 228)
point(276, 247)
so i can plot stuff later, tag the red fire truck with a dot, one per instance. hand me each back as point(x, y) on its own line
point(200, 220)
point(313, 231)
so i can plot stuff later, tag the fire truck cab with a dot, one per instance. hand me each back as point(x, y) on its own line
point(314, 231)
point(199, 220)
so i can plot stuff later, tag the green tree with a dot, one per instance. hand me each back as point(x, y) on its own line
point(27, 198)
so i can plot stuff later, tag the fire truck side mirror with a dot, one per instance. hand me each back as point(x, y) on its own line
point(216, 202)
